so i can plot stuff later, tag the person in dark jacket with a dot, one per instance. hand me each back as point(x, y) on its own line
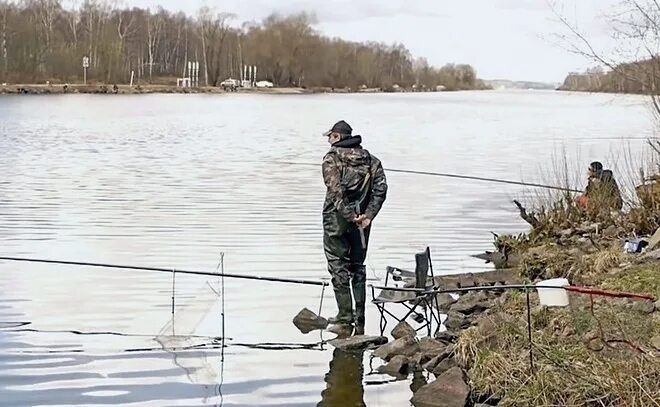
point(595, 174)
point(602, 192)
point(356, 190)
point(610, 193)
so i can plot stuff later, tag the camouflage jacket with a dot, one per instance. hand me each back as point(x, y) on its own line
point(355, 180)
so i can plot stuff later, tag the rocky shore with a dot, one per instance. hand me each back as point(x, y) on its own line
point(603, 349)
point(486, 334)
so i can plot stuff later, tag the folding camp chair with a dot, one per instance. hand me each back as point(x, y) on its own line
point(422, 294)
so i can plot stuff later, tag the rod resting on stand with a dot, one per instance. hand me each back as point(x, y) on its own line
point(167, 270)
point(173, 289)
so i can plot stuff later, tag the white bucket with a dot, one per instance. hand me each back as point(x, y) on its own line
point(553, 297)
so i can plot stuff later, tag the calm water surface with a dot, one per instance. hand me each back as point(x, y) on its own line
point(174, 180)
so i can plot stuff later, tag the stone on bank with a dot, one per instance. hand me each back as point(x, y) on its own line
point(448, 390)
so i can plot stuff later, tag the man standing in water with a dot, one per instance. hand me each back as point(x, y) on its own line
point(356, 191)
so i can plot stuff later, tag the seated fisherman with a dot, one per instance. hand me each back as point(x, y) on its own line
point(595, 174)
point(609, 193)
point(602, 192)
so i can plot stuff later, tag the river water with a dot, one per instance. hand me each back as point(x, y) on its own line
point(174, 180)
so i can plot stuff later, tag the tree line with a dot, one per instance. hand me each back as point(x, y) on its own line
point(635, 77)
point(42, 40)
point(632, 65)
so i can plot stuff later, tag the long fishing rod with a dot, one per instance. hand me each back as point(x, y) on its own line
point(170, 270)
point(441, 174)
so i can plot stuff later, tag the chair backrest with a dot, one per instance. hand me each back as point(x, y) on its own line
point(421, 269)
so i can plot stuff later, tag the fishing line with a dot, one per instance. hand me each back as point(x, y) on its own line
point(459, 176)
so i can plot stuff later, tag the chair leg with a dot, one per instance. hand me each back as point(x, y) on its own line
point(411, 308)
point(383, 321)
point(427, 310)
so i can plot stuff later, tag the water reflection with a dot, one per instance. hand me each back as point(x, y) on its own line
point(419, 380)
point(344, 380)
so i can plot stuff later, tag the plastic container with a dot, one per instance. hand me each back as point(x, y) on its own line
point(553, 297)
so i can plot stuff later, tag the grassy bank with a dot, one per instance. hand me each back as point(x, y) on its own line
point(599, 351)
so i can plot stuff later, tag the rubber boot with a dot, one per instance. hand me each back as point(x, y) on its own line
point(359, 284)
point(345, 307)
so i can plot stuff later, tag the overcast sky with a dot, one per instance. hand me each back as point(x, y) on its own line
point(502, 39)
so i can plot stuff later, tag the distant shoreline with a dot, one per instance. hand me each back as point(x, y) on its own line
point(101, 89)
point(60, 89)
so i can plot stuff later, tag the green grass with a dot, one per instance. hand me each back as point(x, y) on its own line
point(639, 279)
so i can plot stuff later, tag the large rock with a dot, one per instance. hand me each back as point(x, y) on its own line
point(471, 303)
point(420, 359)
point(397, 367)
point(446, 337)
point(434, 362)
point(456, 321)
point(446, 364)
point(431, 364)
point(307, 321)
point(431, 346)
point(476, 279)
point(657, 306)
point(646, 307)
point(445, 300)
point(358, 342)
point(403, 329)
point(448, 390)
point(406, 346)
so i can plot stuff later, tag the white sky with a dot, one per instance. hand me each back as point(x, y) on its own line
point(502, 39)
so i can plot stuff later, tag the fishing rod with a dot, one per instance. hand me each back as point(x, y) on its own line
point(459, 176)
point(170, 270)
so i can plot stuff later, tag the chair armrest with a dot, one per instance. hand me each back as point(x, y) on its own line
point(398, 274)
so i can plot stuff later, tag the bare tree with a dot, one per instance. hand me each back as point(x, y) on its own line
point(154, 26)
point(634, 67)
point(4, 12)
point(213, 30)
point(73, 22)
point(41, 39)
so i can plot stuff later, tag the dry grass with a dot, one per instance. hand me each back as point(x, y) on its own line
point(595, 352)
point(574, 366)
point(579, 264)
